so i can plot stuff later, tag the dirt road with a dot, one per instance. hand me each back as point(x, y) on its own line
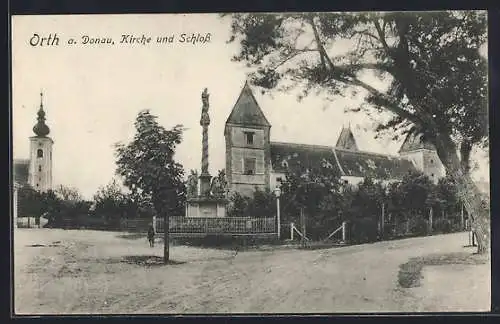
point(84, 272)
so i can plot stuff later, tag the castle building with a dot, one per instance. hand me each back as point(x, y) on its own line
point(254, 161)
point(37, 170)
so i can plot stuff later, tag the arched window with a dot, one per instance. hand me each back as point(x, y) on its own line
point(39, 153)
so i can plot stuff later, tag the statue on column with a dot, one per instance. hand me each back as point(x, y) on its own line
point(205, 119)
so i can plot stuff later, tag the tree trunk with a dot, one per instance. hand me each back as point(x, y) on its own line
point(166, 239)
point(468, 192)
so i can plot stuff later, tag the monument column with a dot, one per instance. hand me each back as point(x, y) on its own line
point(204, 122)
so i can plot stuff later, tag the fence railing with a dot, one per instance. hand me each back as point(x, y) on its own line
point(141, 224)
point(223, 225)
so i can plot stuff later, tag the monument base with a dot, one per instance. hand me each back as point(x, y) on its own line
point(206, 207)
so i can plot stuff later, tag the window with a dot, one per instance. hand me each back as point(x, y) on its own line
point(39, 153)
point(249, 166)
point(432, 174)
point(39, 168)
point(279, 179)
point(37, 184)
point(249, 137)
point(432, 161)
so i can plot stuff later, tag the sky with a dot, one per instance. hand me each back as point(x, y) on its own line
point(92, 93)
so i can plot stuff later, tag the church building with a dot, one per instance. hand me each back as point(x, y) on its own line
point(37, 170)
point(253, 160)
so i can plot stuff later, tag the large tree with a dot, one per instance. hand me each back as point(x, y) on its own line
point(435, 75)
point(149, 169)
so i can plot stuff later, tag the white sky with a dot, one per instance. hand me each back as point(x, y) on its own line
point(92, 94)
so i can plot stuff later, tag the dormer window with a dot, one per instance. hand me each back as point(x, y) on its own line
point(249, 137)
point(284, 164)
point(39, 153)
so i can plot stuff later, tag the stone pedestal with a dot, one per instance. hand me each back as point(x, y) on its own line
point(206, 207)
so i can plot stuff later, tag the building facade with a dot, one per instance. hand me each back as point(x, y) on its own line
point(37, 170)
point(254, 161)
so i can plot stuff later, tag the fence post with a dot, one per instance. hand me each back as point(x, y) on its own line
point(462, 226)
point(382, 222)
point(343, 232)
point(431, 212)
point(154, 223)
point(303, 222)
point(291, 231)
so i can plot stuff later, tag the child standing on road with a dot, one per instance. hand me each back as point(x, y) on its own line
point(151, 236)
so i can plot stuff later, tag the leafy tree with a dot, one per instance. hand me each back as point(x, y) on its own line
point(29, 202)
point(112, 204)
point(317, 190)
point(263, 204)
point(238, 205)
point(66, 193)
point(437, 79)
point(148, 167)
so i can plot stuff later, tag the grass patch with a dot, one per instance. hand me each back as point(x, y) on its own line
point(148, 260)
point(410, 273)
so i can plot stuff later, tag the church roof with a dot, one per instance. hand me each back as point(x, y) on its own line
point(284, 155)
point(346, 140)
point(347, 162)
point(21, 171)
point(368, 164)
point(246, 110)
point(415, 141)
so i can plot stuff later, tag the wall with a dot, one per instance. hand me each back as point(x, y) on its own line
point(428, 162)
point(44, 178)
point(237, 150)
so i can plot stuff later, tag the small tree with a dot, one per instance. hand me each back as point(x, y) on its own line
point(262, 205)
point(112, 204)
point(148, 167)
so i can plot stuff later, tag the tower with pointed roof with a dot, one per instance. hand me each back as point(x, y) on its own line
point(423, 155)
point(346, 140)
point(40, 163)
point(247, 136)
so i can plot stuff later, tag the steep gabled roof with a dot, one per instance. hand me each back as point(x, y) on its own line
point(291, 155)
point(21, 171)
point(415, 141)
point(246, 110)
point(367, 164)
point(346, 140)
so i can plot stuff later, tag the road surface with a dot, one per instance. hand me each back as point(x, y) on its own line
point(91, 272)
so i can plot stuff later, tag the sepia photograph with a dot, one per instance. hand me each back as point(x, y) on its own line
point(250, 163)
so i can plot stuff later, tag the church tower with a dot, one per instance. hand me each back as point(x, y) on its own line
point(423, 155)
point(40, 168)
point(346, 140)
point(247, 135)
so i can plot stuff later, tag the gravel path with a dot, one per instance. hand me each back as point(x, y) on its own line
point(86, 272)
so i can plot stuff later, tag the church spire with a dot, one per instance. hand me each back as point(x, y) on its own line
point(346, 139)
point(41, 129)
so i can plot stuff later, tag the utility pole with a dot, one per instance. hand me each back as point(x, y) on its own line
point(166, 243)
point(382, 222)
